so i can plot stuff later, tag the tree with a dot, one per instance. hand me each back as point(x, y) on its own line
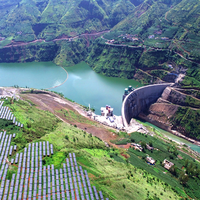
point(183, 178)
point(28, 124)
point(174, 170)
point(186, 162)
point(191, 169)
point(171, 156)
point(11, 101)
point(150, 144)
point(175, 152)
point(66, 137)
point(168, 149)
point(132, 140)
point(143, 144)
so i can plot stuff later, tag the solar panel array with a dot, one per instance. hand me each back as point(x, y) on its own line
point(5, 113)
point(35, 181)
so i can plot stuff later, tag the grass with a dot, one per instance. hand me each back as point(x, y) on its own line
point(36, 122)
point(107, 169)
point(106, 173)
point(74, 117)
point(162, 151)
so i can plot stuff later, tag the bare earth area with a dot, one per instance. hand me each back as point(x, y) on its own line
point(71, 113)
point(55, 104)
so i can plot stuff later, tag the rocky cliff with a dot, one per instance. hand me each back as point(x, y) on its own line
point(176, 110)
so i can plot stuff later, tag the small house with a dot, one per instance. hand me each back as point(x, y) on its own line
point(150, 160)
point(137, 146)
point(149, 147)
point(167, 164)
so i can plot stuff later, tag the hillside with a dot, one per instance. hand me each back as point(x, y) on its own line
point(117, 172)
point(49, 19)
point(176, 110)
point(167, 42)
point(105, 172)
point(158, 42)
point(150, 41)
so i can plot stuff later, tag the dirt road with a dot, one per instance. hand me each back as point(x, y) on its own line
point(75, 114)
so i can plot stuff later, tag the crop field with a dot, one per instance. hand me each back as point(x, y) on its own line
point(161, 151)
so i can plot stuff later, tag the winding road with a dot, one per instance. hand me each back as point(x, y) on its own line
point(16, 44)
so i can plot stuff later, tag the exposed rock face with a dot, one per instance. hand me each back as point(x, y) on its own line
point(160, 113)
point(172, 112)
point(174, 96)
point(165, 107)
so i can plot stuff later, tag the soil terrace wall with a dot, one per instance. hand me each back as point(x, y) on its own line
point(140, 99)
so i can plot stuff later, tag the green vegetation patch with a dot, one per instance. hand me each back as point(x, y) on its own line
point(106, 168)
point(159, 73)
point(36, 122)
point(175, 176)
point(182, 119)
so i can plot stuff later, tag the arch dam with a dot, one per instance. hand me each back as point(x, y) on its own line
point(140, 99)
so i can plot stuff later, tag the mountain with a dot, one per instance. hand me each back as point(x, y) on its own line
point(152, 41)
point(167, 34)
point(26, 20)
point(158, 42)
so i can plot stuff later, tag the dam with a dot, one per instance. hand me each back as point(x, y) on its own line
point(139, 100)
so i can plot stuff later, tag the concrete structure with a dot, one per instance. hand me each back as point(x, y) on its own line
point(150, 160)
point(140, 99)
point(167, 164)
point(106, 111)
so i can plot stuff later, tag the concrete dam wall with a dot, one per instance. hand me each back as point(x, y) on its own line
point(140, 99)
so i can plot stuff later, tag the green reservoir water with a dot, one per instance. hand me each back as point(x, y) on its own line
point(87, 87)
point(83, 85)
point(34, 75)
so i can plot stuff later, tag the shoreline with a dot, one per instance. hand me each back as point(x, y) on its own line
point(168, 129)
point(11, 92)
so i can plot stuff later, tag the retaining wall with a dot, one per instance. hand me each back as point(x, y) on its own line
point(140, 99)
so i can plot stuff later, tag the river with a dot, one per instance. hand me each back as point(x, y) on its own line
point(174, 137)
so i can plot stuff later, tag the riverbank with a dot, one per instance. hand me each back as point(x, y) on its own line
point(59, 106)
point(168, 129)
point(68, 112)
point(80, 83)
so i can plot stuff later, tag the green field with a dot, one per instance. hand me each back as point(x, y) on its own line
point(163, 151)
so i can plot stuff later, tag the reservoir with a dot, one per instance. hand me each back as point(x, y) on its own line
point(83, 85)
point(80, 84)
point(33, 75)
